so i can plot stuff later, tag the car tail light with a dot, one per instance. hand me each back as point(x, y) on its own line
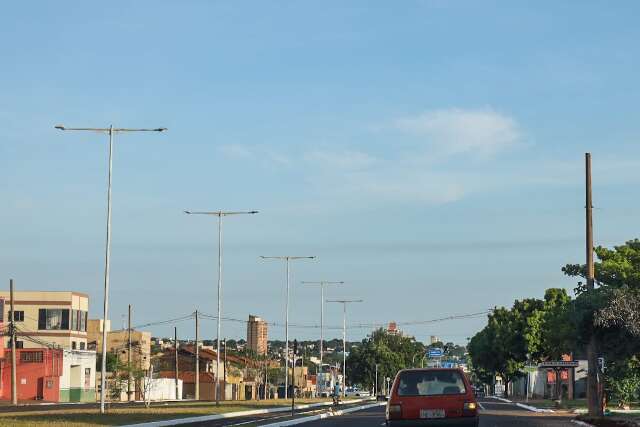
point(394, 411)
point(470, 407)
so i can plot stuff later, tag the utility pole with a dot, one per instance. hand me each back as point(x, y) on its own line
point(220, 214)
point(293, 375)
point(266, 384)
point(12, 325)
point(129, 391)
point(287, 259)
point(376, 385)
point(224, 382)
point(175, 332)
point(593, 389)
point(344, 303)
point(107, 256)
point(197, 357)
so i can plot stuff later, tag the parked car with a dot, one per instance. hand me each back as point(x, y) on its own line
point(432, 397)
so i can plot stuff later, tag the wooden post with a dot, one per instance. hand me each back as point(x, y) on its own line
point(130, 379)
point(175, 331)
point(593, 390)
point(197, 396)
point(14, 382)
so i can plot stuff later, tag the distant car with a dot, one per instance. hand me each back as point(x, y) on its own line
point(432, 397)
point(355, 391)
point(382, 398)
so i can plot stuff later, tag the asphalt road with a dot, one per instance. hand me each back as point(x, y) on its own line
point(494, 414)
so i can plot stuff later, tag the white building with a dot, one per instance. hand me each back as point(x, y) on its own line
point(78, 380)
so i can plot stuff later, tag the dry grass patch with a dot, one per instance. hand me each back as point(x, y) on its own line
point(121, 415)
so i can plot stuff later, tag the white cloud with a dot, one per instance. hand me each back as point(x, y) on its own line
point(481, 132)
point(433, 166)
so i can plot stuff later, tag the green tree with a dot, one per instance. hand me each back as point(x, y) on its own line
point(610, 311)
point(112, 362)
point(517, 335)
point(557, 336)
point(390, 352)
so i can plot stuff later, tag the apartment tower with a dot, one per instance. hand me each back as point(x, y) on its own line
point(257, 335)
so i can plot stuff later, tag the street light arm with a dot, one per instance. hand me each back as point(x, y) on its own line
point(322, 283)
point(221, 213)
point(62, 127)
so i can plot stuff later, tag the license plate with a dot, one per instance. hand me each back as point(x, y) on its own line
point(432, 413)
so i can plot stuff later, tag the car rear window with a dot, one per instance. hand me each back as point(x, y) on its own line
point(430, 383)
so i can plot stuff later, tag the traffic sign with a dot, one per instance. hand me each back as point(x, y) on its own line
point(434, 353)
point(559, 364)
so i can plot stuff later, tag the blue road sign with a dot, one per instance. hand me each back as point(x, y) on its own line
point(434, 353)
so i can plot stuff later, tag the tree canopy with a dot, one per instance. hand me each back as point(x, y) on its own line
point(390, 352)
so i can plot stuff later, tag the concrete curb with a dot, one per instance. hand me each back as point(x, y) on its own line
point(523, 406)
point(213, 417)
point(533, 408)
point(323, 416)
point(581, 423)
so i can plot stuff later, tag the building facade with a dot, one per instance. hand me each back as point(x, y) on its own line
point(257, 335)
point(38, 373)
point(48, 318)
point(78, 379)
point(118, 343)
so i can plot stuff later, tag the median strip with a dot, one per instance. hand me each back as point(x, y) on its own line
point(213, 417)
point(323, 416)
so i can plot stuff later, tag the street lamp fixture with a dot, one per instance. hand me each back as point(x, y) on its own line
point(322, 284)
point(344, 303)
point(287, 259)
point(107, 261)
point(219, 214)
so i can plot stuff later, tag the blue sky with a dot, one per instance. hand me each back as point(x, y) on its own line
point(430, 153)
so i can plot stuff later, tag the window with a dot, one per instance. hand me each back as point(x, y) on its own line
point(53, 319)
point(19, 344)
point(75, 321)
point(31, 357)
point(79, 320)
point(73, 345)
point(18, 316)
point(430, 383)
point(82, 321)
point(82, 346)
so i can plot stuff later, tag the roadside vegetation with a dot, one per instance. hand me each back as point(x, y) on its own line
point(535, 330)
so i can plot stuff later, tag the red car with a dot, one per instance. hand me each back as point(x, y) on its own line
point(432, 397)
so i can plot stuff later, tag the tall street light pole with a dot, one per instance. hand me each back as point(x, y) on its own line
point(344, 303)
point(322, 284)
point(287, 259)
point(107, 258)
point(219, 214)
